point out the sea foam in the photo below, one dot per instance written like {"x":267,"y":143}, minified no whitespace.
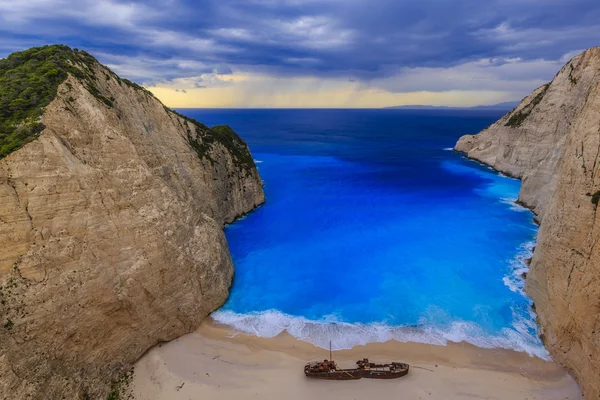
{"x":518,"y":266}
{"x":512,"y":202}
{"x":344,"y":335}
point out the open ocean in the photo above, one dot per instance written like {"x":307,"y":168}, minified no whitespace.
{"x":374,"y":229}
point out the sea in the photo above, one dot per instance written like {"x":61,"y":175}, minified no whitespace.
{"x":375,"y":229}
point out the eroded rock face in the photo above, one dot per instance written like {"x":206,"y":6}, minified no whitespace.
{"x":552,"y":142}
{"x":111,"y":230}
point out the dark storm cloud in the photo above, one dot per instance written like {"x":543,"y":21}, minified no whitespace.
{"x":161,"y":40}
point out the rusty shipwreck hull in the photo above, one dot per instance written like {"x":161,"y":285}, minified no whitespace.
{"x":328,"y":370}
{"x":337,"y":375}
{"x":385,"y":374}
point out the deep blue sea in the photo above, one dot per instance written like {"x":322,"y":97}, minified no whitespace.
{"x":374,"y":229}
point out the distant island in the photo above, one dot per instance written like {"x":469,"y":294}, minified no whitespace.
{"x":509,"y":105}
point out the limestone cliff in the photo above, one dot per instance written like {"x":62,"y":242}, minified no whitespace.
{"x":552,"y":142}
{"x":111,"y":232}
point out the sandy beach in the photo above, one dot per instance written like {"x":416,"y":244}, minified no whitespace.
{"x":216,"y":363}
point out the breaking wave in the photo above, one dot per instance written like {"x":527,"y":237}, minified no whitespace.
{"x":519,"y":266}
{"x":521,"y":337}
{"x":512,"y":202}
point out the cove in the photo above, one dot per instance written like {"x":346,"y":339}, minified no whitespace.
{"x":375,"y":230}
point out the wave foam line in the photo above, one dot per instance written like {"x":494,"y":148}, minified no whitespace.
{"x":518,"y":266}
{"x":344,"y":335}
{"x":512,"y":202}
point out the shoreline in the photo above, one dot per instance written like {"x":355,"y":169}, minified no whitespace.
{"x":217,"y":362}
{"x":344,"y":336}
{"x":513,"y":280}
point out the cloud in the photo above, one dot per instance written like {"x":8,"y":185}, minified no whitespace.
{"x":496,"y":74}
{"x":395,"y":46}
{"x":484,"y":81}
{"x":106,"y":13}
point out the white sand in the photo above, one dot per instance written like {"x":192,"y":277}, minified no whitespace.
{"x":209,"y":364}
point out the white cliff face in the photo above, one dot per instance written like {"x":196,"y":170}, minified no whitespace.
{"x":552,"y":142}
{"x":111,"y":236}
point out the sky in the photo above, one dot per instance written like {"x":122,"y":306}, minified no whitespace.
{"x":316,"y":53}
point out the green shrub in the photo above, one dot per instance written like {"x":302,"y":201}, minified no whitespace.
{"x":202,"y":139}
{"x":29,"y":81}
{"x":596,"y":198}
{"x":120,"y":390}
{"x":8,"y":325}
{"x":519,"y":117}
{"x":571,"y":77}
{"x":236,"y":146}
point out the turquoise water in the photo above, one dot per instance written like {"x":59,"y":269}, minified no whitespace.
{"x":374,"y":229}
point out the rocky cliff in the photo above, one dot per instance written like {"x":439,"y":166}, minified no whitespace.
{"x":112,"y":210}
{"x":552,"y":142}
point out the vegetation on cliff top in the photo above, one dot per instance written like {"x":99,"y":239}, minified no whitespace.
{"x":29,"y":81}
{"x":202,"y":140}
{"x":231,"y":140}
{"x":518,"y":117}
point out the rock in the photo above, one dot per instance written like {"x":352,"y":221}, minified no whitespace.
{"x":552,"y":142}
{"x":111,"y":230}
